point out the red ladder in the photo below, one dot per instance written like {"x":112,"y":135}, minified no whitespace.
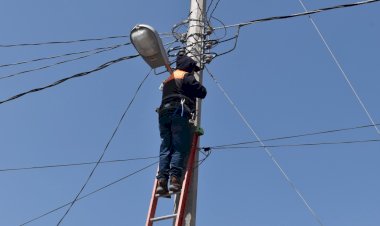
{"x":178,"y":216}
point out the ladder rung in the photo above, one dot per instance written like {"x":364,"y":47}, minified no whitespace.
{"x":164,"y":217}
{"x":168,"y":195}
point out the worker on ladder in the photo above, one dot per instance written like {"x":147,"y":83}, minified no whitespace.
{"x":179,"y":93}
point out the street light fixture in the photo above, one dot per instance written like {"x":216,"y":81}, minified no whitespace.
{"x":149,"y":45}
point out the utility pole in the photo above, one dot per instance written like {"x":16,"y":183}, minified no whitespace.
{"x":195,"y":34}
{"x":147,"y":42}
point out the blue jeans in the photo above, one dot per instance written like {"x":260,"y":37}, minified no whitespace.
{"x":176,"y":133}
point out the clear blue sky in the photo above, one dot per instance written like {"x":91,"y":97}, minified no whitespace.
{"x":281,"y":77}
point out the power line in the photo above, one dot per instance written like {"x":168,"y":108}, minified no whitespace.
{"x":216,"y":147}
{"x":341,"y":69}
{"x":236,"y":38}
{"x":64,"y":42}
{"x":91,"y":193}
{"x":295,"y":145}
{"x":105,"y":149}
{"x":101,"y":67}
{"x":298,"y":14}
{"x":308,"y":13}
{"x":208,"y":7}
{"x":200,"y":162}
{"x":106,"y":186}
{"x":164,"y":35}
{"x":75,"y":164}
{"x":216,"y":6}
{"x":56,"y":56}
{"x":300,"y":195}
{"x":223,"y":25}
{"x":97,"y":51}
{"x":299,"y":135}
{"x":65,"y":61}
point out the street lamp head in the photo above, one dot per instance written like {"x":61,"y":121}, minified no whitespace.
{"x":149,"y":45}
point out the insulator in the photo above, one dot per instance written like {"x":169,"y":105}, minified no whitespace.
{"x":207,"y":58}
{"x":183,"y":38}
{"x":181,"y":52}
{"x":209,"y":30}
{"x":208,"y":45}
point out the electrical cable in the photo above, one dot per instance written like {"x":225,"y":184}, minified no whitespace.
{"x":296,"y":145}
{"x":299,"y":135}
{"x":91,"y":193}
{"x":98,"y":50}
{"x":298,"y":14}
{"x":199,"y":6}
{"x":198,"y":38}
{"x":236,"y":37}
{"x":200,"y":162}
{"x":62,"y":62}
{"x":223,"y":25}
{"x":212,"y":17}
{"x":203,"y":19}
{"x":216,"y":6}
{"x":267,"y":150}
{"x":215,"y":147}
{"x":105,"y":65}
{"x":105,"y":149}
{"x":341,"y":69}
{"x":104,"y":187}
{"x":101,"y":67}
{"x":56,"y":56}
{"x":63,"y":42}
{"x":260,"y":21}
{"x":164,"y":35}
{"x":74,"y":164}
{"x":208,"y":7}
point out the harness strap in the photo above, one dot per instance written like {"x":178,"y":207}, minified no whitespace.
{"x":182,"y":102}
{"x":179,"y":96}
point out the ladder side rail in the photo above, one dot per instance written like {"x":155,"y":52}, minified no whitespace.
{"x":152,"y":206}
{"x":186,"y":182}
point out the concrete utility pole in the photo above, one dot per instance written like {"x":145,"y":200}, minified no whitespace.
{"x":195,"y":48}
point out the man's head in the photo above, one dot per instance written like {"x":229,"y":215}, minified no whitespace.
{"x":187,"y":64}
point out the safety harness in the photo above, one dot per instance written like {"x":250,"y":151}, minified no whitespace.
{"x":177,"y":101}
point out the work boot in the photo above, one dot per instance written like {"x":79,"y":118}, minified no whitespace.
{"x":162,"y":186}
{"x":175,"y":184}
